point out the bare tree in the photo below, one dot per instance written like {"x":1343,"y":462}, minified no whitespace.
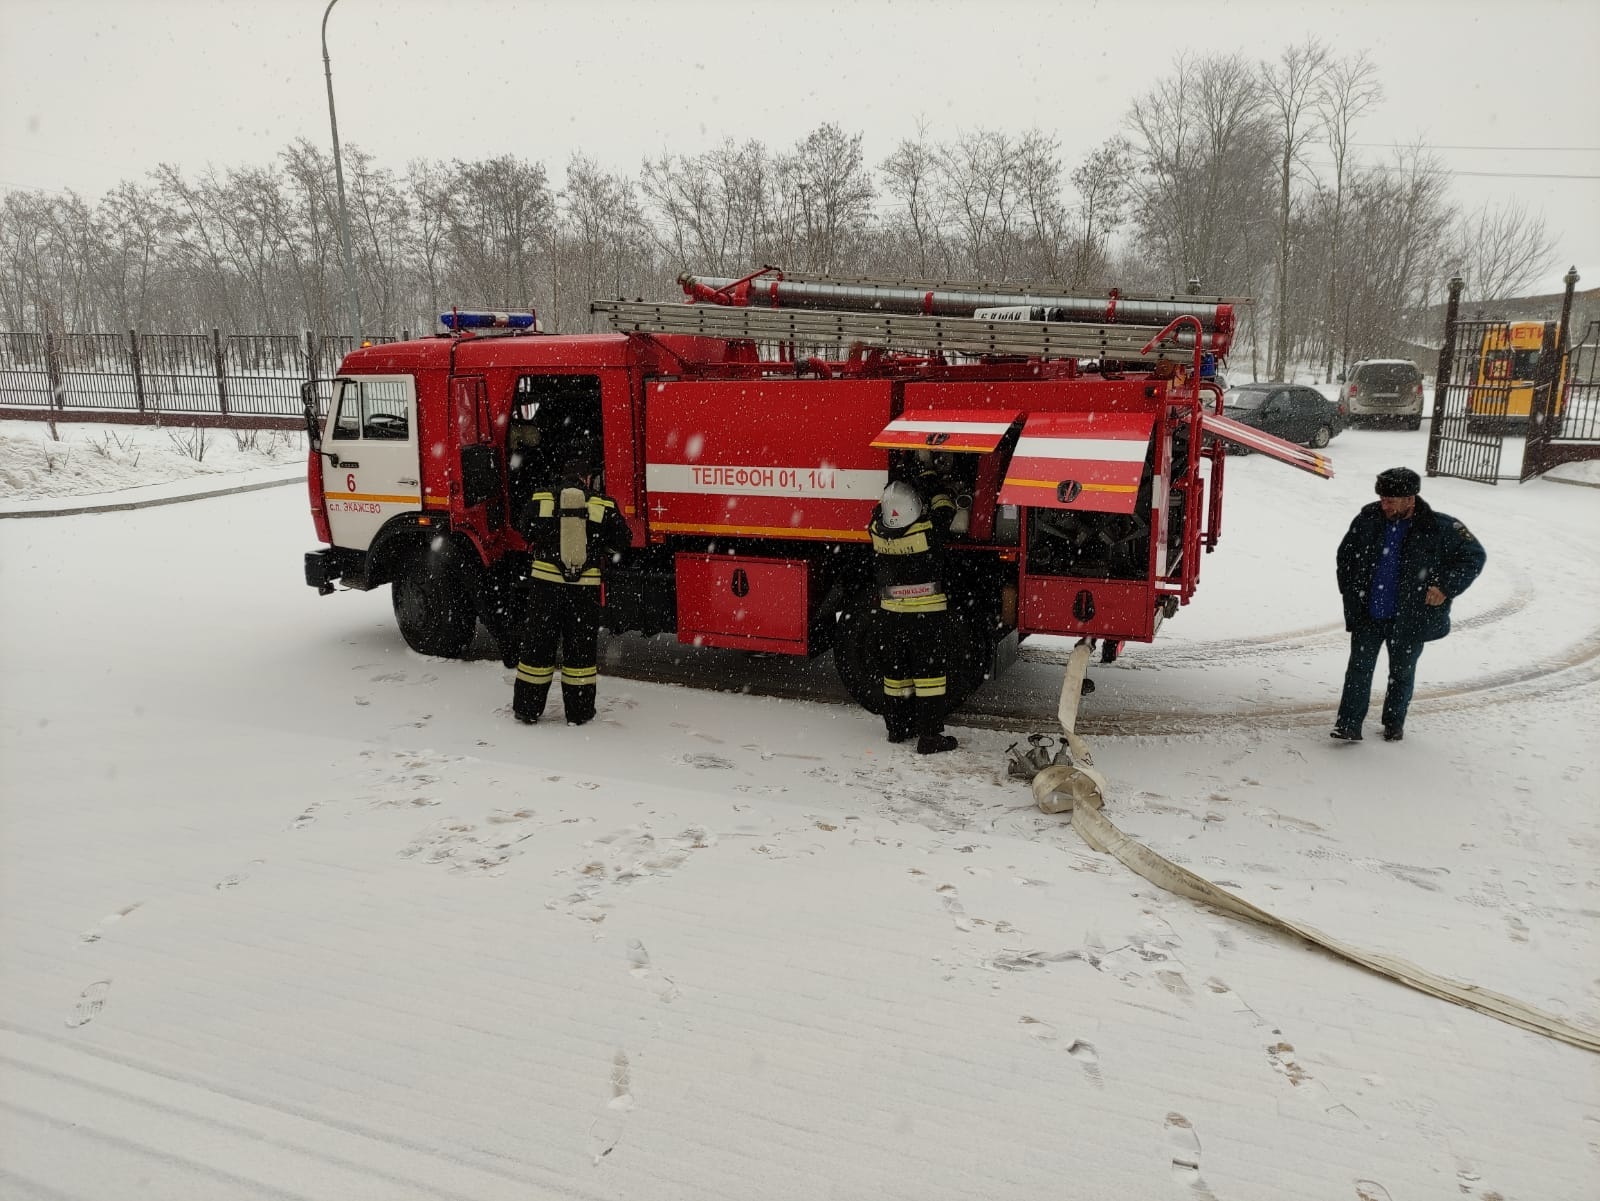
{"x":977,"y":181}
{"x":1502,"y":249}
{"x":606,"y":239}
{"x":1348,"y":90}
{"x":431,"y":186}
{"x":1038,"y":181}
{"x":910,"y":177}
{"x":835,"y":194}
{"x":1202,"y":152}
{"x":715,"y":211}
{"x":1102,"y":182}
{"x":1290,"y":87}
{"x":133,"y":228}
{"x":498,"y":228}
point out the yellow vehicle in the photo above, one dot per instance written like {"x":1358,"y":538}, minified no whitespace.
{"x":1508,"y":362}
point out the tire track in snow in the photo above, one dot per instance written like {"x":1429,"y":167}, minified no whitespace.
{"x":1577,"y":666}
{"x":386,"y":1146}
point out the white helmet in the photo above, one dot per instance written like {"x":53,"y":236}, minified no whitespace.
{"x":900,"y":506}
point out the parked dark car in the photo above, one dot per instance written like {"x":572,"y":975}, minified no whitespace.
{"x":1292,"y":412}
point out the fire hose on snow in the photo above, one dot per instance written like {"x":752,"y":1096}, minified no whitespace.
{"x":1065,"y":780}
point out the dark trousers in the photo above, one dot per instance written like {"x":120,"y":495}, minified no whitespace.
{"x":912,"y":650}
{"x":1365,"y":642}
{"x":562,"y":626}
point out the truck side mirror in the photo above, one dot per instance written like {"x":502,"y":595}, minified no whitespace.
{"x":480,"y":474}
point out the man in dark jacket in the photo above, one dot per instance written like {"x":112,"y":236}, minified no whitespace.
{"x":908,"y":529}
{"x":574,"y":533}
{"x":1400,"y":565}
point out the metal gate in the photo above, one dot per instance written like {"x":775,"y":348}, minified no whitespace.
{"x":1473,"y":408}
{"x":1564,"y":422}
{"x":1465,"y":436}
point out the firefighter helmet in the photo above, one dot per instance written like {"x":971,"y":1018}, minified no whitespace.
{"x":900,"y":506}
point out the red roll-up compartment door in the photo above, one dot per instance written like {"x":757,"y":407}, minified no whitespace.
{"x":1083,"y":461}
{"x":972,"y":430}
{"x":1251,"y":438}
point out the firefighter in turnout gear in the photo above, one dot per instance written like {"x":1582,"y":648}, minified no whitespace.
{"x":573,"y":532}
{"x":908,"y":530}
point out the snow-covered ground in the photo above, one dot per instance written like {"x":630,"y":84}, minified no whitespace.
{"x":90,"y":458}
{"x":291,"y":912}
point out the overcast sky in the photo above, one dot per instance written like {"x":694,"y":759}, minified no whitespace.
{"x":96,"y":91}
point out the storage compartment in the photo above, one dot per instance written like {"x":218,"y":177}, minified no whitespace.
{"x":1102,"y":608}
{"x":744,"y":602}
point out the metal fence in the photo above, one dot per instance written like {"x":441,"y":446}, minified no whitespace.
{"x":185,"y":375}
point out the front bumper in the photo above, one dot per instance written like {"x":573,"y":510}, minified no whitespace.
{"x":332,"y":563}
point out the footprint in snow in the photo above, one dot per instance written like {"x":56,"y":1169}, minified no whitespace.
{"x":90,"y":1002}
{"x":1183,"y":1146}
{"x":95,"y":933}
{"x":951,"y":900}
{"x":1174,"y":983}
{"x":639,"y":968}
{"x":704,"y":760}
{"x":1081,"y":1051}
{"x":1281,"y":1056}
{"x":1086,"y":1055}
{"x":605,"y":1132}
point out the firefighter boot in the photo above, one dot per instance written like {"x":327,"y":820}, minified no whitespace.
{"x":529,"y":693}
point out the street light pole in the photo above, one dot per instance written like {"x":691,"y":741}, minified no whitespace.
{"x":352,"y":297}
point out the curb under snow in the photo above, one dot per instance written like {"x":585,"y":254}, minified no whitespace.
{"x":149,"y":502}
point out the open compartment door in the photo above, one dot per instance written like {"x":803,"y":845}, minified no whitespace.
{"x":1251,"y":438}
{"x":1081,"y":461}
{"x":971,"y":430}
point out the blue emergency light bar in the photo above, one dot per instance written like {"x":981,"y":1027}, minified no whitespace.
{"x":459,"y":320}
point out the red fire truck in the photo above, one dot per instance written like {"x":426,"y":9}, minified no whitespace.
{"x":747,"y":433}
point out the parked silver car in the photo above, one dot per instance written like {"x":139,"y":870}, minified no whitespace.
{"x":1382,"y":392}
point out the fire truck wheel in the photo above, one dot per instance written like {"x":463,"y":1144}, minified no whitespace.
{"x":433,"y":603}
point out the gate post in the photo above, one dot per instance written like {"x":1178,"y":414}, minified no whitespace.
{"x":1545,"y":410}
{"x":136,"y":365}
{"x":1441,"y":377}
{"x":222,"y":371}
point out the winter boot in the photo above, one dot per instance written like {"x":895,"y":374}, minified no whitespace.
{"x":1345,"y":734}
{"x":933,"y":744}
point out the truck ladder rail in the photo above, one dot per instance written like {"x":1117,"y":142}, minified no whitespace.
{"x":895,"y":331}
{"x":1006,"y":287}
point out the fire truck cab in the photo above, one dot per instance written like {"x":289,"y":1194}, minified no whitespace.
{"x":1084,"y":455}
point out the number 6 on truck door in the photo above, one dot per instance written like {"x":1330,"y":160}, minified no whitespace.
{"x":371,"y":443}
